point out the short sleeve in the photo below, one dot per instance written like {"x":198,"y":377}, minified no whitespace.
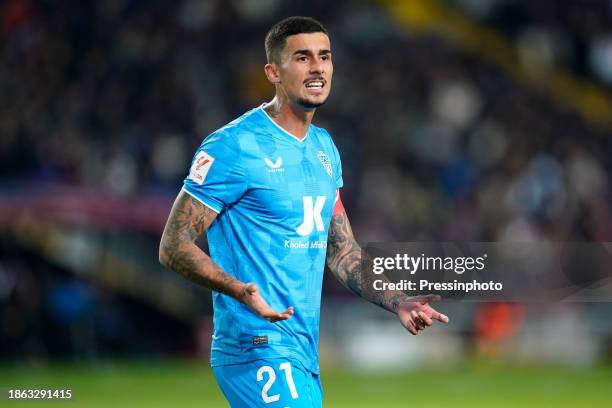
{"x":216,"y":177}
{"x":338,"y":167}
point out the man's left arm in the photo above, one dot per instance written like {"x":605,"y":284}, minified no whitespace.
{"x":345,"y":261}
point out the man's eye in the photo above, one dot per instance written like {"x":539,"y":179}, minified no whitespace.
{"x":302,"y":58}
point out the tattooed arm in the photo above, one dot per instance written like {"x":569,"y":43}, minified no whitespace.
{"x":189,"y":219}
{"x":344,"y":259}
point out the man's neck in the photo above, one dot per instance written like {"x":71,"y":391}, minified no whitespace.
{"x":293,"y":119}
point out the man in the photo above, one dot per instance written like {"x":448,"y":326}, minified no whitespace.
{"x":265,"y":188}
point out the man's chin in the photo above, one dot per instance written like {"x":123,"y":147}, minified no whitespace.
{"x":310,"y":104}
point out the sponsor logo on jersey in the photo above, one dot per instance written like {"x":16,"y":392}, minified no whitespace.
{"x":324,"y":159}
{"x":200,"y":167}
{"x":274,"y":166}
{"x":312,"y":215}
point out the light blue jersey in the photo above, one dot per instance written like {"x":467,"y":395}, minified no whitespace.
{"x":274,"y":194}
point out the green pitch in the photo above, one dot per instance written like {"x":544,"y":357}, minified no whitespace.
{"x":188,"y":384}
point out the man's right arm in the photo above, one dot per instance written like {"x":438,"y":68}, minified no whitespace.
{"x":178,"y":251}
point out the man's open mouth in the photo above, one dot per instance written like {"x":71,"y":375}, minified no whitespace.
{"x":315,"y":84}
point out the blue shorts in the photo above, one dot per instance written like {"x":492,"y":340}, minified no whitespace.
{"x":272,"y":383}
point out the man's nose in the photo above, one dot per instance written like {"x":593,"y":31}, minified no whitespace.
{"x":316,"y":65}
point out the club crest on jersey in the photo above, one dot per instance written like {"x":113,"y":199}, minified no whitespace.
{"x":324,"y":159}
{"x":275,"y":166}
{"x":201,"y":164}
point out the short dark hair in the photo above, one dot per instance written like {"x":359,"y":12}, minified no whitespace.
{"x":276,"y":38}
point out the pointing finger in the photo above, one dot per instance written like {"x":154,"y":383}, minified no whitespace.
{"x":439,"y":316}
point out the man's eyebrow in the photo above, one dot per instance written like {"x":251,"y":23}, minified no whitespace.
{"x":308,"y":52}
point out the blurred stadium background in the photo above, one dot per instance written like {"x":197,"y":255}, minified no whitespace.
{"x":458,"y":120}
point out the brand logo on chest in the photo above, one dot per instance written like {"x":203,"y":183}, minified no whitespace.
{"x":276,"y":166}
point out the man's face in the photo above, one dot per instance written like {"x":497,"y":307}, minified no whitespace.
{"x":305,"y":70}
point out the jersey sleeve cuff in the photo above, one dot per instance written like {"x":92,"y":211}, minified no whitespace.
{"x":207,"y":204}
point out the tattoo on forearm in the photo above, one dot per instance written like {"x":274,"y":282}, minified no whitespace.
{"x":345,"y":261}
{"x":188,"y":220}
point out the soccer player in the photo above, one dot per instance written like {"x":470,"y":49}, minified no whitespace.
{"x":265,"y":189}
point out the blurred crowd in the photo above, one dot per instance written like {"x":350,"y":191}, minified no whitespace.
{"x":435,"y":143}
{"x":115,"y":96}
{"x":575,"y":34}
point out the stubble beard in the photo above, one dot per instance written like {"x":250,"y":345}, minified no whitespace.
{"x":307,"y":104}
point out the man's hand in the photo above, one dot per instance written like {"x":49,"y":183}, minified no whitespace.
{"x":416,"y":314}
{"x":250,"y":296}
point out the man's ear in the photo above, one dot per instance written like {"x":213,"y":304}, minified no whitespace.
{"x":271,"y":71}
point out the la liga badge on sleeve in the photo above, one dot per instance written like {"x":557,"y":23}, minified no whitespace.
{"x":200,"y":167}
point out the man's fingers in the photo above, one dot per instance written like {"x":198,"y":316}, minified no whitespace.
{"x":258,"y":304}
{"x":434,"y":314}
{"x":408,"y":324}
{"x":417,"y":315}
{"x":418,"y":322}
{"x":425,"y":318}
{"x":273,"y":316}
{"x":288,"y":312}
{"x":438,"y":316}
{"x":411,"y":327}
{"x":276,"y":318}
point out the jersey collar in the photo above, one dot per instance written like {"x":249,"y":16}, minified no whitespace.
{"x":297,"y":139}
